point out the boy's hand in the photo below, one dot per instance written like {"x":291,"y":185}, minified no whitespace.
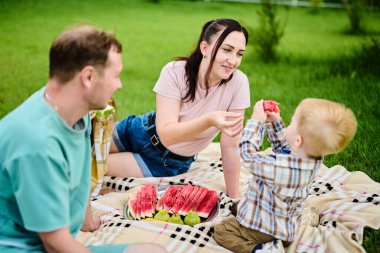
{"x":273,"y":116}
{"x":258,"y":112}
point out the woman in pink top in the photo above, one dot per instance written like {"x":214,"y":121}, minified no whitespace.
{"x":196,"y":97}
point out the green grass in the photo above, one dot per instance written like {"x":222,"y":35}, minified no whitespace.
{"x":314,"y":59}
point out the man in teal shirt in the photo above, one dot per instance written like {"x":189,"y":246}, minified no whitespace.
{"x":46,"y":152}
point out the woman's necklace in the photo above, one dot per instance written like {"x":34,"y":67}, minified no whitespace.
{"x":51,"y":102}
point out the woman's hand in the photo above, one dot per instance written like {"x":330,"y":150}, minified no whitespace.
{"x":229,"y":123}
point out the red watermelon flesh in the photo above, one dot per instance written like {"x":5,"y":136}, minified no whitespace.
{"x":169,"y":194}
{"x":205,"y":207}
{"x":199,"y":200}
{"x":142,"y":204}
{"x":182,"y":198}
{"x":152,"y":191}
{"x":194,"y":200}
{"x":170,"y":201}
{"x":145,"y":201}
{"x":189,"y":198}
{"x":135,"y":206}
{"x":132,"y":209}
{"x":147,"y":207}
{"x":270,"y":106}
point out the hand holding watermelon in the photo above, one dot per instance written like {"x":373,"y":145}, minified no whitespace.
{"x":259,"y":112}
{"x":270,"y":106}
{"x":272,"y":110}
{"x":266,"y":110}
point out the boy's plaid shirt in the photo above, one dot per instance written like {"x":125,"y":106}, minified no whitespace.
{"x":275,"y":198}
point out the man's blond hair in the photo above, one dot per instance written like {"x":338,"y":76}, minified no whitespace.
{"x":325,"y":126}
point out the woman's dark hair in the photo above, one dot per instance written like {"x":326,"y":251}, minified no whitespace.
{"x":193,"y":61}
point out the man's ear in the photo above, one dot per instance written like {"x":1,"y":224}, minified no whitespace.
{"x":299,"y":141}
{"x":87,"y":76}
{"x":203,"y":47}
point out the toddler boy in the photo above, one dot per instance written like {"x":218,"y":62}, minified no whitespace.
{"x":271,"y":207}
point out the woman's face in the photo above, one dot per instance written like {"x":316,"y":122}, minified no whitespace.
{"x":228,"y":57}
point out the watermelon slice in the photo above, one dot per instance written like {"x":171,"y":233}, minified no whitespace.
{"x":189,"y":200}
{"x":153,"y":190}
{"x":147,"y":197}
{"x":168,"y":199}
{"x":195,"y":201}
{"x":143,"y":203}
{"x":270,"y":106}
{"x":135,"y":206}
{"x":205,"y":207}
{"x":182,"y":198}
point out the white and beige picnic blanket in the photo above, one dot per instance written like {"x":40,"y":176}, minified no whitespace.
{"x":340,"y":205}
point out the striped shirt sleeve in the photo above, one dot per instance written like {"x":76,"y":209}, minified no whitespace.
{"x":276,"y":135}
{"x":255,"y":161}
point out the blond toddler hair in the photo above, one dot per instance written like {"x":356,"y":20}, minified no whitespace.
{"x":325,"y":126}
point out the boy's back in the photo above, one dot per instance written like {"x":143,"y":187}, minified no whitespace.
{"x":271,"y":207}
{"x":280,"y":185}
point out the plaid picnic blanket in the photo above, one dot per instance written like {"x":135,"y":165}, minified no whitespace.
{"x":340,"y":205}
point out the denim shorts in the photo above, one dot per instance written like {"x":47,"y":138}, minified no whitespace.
{"x":131,"y":135}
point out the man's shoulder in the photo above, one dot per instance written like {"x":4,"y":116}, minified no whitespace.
{"x":28,"y":128}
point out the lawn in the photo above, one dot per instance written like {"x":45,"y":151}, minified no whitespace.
{"x":314,"y":59}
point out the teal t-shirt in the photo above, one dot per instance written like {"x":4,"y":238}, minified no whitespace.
{"x":44,"y":174}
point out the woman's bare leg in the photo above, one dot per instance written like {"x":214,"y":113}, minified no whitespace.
{"x":122,"y":164}
{"x":113,"y":148}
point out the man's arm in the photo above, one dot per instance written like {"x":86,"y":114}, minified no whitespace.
{"x":61,"y":241}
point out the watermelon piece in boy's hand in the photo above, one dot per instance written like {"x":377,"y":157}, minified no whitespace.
{"x":270,"y":106}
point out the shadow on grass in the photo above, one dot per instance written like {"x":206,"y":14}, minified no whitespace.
{"x":363,"y":61}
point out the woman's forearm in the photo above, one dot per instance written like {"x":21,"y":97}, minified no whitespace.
{"x":231,"y":171}
{"x":171,"y":131}
{"x":231,"y":163}
{"x":175,"y":132}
